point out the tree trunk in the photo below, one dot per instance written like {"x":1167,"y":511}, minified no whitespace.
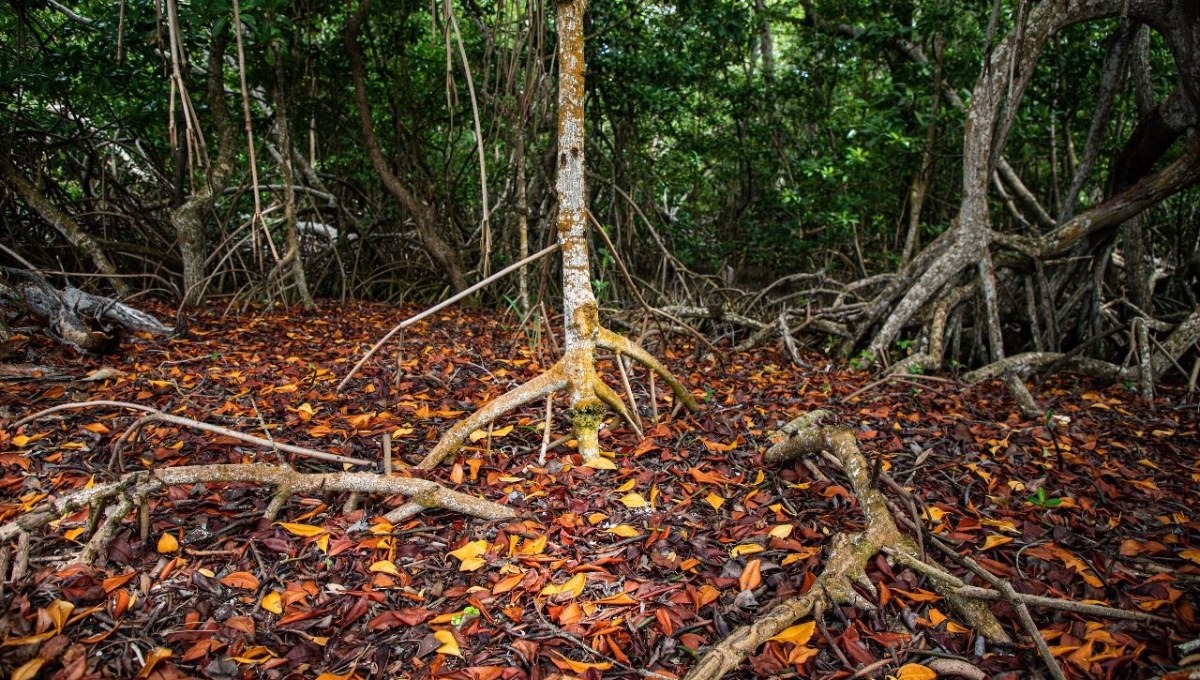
{"x":423,"y":214}
{"x":994,"y":103}
{"x":188,"y":219}
{"x":61,"y":221}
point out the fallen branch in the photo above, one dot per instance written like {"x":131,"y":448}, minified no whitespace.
{"x":158,"y":416}
{"x":120,"y":498}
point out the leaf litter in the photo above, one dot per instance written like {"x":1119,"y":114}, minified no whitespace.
{"x":606,"y":573}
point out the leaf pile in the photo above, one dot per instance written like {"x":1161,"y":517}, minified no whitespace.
{"x":608,"y":572}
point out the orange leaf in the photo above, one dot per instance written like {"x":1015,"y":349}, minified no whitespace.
{"x":508,"y":583}
{"x":577,"y":666}
{"x":798,"y":634}
{"x":751,"y":576}
{"x":241,"y":579}
{"x":28,"y":670}
{"x":152,"y":659}
{"x":915,"y":671}
{"x":167,"y":544}
{"x":112,"y":583}
{"x":305,"y":530}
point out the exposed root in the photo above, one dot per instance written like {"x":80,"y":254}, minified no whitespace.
{"x":849,"y":554}
{"x":619,"y":343}
{"x":120,"y":497}
{"x":577,"y":375}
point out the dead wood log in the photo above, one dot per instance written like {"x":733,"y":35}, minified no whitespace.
{"x":90,"y":323}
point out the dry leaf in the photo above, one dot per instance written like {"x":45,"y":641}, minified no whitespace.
{"x":28,"y":670}
{"x":624,"y":531}
{"x":305,"y":530}
{"x":798,"y":634}
{"x":633,"y":500}
{"x":272,"y":602}
{"x":915,"y":671}
{"x":241,"y":579}
{"x":167,"y":544}
{"x":574,"y":586}
{"x":449,"y":643}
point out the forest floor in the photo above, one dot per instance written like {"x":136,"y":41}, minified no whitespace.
{"x":605,"y":573}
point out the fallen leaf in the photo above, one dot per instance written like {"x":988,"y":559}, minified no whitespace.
{"x":633,"y":500}
{"x":305,"y":530}
{"x":798,"y":635}
{"x":167,"y":544}
{"x":384,"y":567}
{"x":241,"y":579}
{"x":915,"y":671}
{"x":152,"y":659}
{"x":574,"y":586}
{"x":449,"y":643}
{"x":272,"y":602}
{"x":28,"y":670}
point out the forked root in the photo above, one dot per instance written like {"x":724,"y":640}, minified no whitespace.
{"x":575,"y":373}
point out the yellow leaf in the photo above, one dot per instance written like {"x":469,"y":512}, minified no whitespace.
{"x":534,"y":547}
{"x":796,"y":635}
{"x":1001,"y":524}
{"x":72,"y":534}
{"x":28,"y":670}
{"x":207,"y":572}
{"x":781,"y":531}
{"x":21,"y":440}
{"x":624,"y":531}
{"x":449,"y":643}
{"x":96,"y":428}
{"x":469,"y":550}
{"x":715,"y":501}
{"x":472,"y":564}
{"x":305,"y":530}
{"x":323,"y":543}
{"x":746,"y":549}
{"x":59,"y":611}
{"x":935,"y":514}
{"x":255,"y":655}
{"x":157,"y":654}
{"x":401,"y":432}
{"x":1191,"y":554}
{"x":496,"y":433}
{"x":384,"y":567}
{"x":633,"y":500}
{"x":272,"y":602}
{"x":915,"y":671}
{"x":995,"y":540}
{"x":627,"y":486}
{"x":573,"y":586}
{"x":580,"y":667}
{"x":600,"y":463}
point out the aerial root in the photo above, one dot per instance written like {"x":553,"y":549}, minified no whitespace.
{"x":849,"y":554}
{"x":556,"y":378}
{"x":118,"y":499}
